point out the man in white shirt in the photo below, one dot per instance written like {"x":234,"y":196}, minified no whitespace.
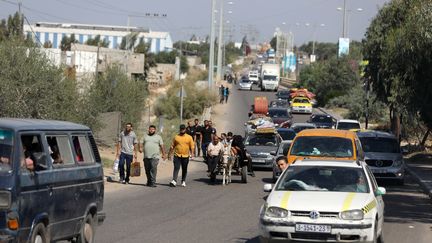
{"x":214,"y":151}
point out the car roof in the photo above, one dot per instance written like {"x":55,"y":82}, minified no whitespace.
{"x":326,"y":115}
{"x":37,"y":124}
{"x":326,"y":133}
{"x":375,"y":134}
{"x":348,"y":120}
{"x":328,"y":163}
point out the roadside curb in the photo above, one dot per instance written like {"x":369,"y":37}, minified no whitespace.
{"x":423,"y":183}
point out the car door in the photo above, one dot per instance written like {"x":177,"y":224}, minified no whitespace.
{"x":380,"y":201}
{"x":36,"y":192}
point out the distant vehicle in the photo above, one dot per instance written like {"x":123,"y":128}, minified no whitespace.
{"x":51,"y":181}
{"x":245,"y":84}
{"x":284,"y":94}
{"x":323,"y":201}
{"x":383,"y":155}
{"x":261,"y":146}
{"x":322,"y":121}
{"x":345,"y":124}
{"x":253,"y":76}
{"x":279,"y":103}
{"x":269,"y":78}
{"x":301,"y":105}
{"x":279,"y":115}
{"x":298,"y":127}
{"x":260,"y":106}
{"x":286,"y":133}
{"x":326,"y":143}
{"x":281,"y":151}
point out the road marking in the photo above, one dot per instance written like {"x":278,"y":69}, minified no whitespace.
{"x":285,"y":198}
{"x":348,"y":200}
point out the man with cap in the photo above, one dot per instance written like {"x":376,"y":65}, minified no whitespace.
{"x":183,"y":147}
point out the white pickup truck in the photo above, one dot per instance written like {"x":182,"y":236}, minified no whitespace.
{"x":269,"y":78}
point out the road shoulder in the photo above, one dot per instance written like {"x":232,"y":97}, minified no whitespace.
{"x":419,"y":165}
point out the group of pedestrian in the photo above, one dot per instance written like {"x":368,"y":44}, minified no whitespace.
{"x":231,"y":78}
{"x":223,"y":94}
{"x":187,"y":144}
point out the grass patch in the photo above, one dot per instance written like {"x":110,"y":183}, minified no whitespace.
{"x":107,"y":162}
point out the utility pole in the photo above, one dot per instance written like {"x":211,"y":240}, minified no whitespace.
{"x":220,"y":43}
{"x":181,"y":102}
{"x":97,"y":61}
{"x":344,"y":20}
{"x":212,"y":39}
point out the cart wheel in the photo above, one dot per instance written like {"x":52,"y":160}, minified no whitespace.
{"x":244,"y":174}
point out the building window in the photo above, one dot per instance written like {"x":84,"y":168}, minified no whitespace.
{"x":38,"y":37}
{"x":158,"y":45}
{"x":115,"y":39}
{"x":81,"y":39}
{"x":55,"y":44}
{"x":46,"y":38}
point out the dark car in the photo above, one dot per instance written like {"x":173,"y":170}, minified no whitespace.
{"x":283,"y":94}
{"x":322,"y":120}
{"x":261,"y":146}
{"x":279,"y":115}
{"x":298,"y":127}
{"x":286,"y":133}
{"x":279,"y":103}
{"x":51,"y":181}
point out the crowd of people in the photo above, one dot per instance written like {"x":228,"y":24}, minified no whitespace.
{"x":191,"y":141}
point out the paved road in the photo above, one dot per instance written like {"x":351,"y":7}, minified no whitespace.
{"x":213,"y":213}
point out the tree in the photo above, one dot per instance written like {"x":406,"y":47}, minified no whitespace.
{"x":12,"y":27}
{"x":398,"y":46}
{"x":273,"y":42}
{"x":97,"y":41}
{"x":129,"y":41}
{"x":66,"y":42}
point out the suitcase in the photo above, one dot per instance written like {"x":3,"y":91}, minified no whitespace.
{"x":135,"y":169}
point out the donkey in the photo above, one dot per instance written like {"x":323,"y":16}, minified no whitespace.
{"x":227,"y":161}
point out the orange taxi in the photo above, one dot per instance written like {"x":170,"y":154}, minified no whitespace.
{"x":325,"y":143}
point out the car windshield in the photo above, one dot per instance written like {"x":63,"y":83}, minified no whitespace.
{"x":245,"y":81}
{"x":279,"y":103}
{"x":300,"y":101}
{"x":322,"y":147}
{"x":270,"y":77}
{"x":348,"y":125}
{"x":325,"y":119}
{"x":253,"y":76}
{"x":380,"y":145}
{"x":284,"y":93}
{"x":6,"y":144}
{"x":287,"y":134}
{"x":323,"y":178}
{"x":261,"y":140}
{"x":278,"y":113}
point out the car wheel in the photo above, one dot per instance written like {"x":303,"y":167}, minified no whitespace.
{"x":244,"y":174}
{"x":87,"y":231}
{"x":250,"y":88}
{"x":39,"y":234}
{"x":375,"y":236}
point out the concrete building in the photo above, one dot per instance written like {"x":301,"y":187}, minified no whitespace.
{"x":44,"y":32}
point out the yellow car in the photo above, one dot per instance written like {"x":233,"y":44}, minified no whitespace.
{"x":301,"y":105}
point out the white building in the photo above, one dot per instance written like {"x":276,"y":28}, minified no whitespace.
{"x":44,"y":32}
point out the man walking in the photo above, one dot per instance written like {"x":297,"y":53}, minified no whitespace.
{"x":221,"y":93}
{"x":226,"y":94}
{"x":152,"y":146}
{"x":207,"y":133}
{"x":126,"y":151}
{"x":183,"y":148}
{"x":190,"y":130}
{"x":198,"y":129}
{"x":214,"y":152}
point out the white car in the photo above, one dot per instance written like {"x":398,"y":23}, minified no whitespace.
{"x":245,"y":84}
{"x":346,"y":124}
{"x":323,"y":201}
{"x":253,"y":77}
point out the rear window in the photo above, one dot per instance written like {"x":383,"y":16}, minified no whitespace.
{"x":6,"y":145}
{"x":83,"y":151}
{"x":322,"y":147}
{"x":245,"y":81}
{"x":348,"y":125}
{"x":380,"y":145}
{"x":287,"y":135}
{"x":304,"y":101}
{"x":278,"y":113}
{"x":325,"y":119}
{"x":261,"y":140}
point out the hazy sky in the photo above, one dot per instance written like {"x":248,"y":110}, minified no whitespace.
{"x":187,"y":17}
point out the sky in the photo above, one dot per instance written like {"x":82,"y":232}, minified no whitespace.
{"x":258,"y":19}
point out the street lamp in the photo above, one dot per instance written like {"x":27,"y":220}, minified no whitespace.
{"x":221,"y":40}
{"x":345,"y":21}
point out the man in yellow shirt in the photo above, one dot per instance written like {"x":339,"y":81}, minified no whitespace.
{"x":183,"y":147}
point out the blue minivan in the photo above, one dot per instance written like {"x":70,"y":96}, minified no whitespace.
{"x":51,"y":181}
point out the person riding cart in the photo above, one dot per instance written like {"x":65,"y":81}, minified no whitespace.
{"x":215,"y":152}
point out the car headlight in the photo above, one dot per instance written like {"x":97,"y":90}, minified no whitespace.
{"x":5,"y":199}
{"x":352,"y":215}
{"x":276,"y":212}
{"x":397,"y":163}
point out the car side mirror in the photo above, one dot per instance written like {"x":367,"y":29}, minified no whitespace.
{"x":273,"y":153}
{"x":268,"y":187}
{"x":404,"y":151}
{"x":380,"y":191}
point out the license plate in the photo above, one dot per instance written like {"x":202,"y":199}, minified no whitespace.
{"x":379,"y":171}
{"x":313,"y":228}
{"x":259,"y":160}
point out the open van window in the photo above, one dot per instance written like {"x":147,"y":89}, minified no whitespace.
{"x":33,"y":152}
{"x":83,"y":152}
{"x":61,"y":153}
{"x":6,"y":144}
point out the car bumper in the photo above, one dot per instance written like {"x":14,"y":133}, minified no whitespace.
{"x":245,"y":87}
{"x":270,"y":86}
{"x":397,"y":173}
{"x":301,"y":110}
{"x":361,"y":231}
{"x":262,"y":163}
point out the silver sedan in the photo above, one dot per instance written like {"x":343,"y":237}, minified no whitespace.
{"x":245,"y":84}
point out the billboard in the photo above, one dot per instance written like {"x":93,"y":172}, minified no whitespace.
{"x":343,"y":46}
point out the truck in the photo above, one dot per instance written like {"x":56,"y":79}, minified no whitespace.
{"x":269,"y":78}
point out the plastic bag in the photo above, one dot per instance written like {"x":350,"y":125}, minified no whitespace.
{"x":116,"y":165}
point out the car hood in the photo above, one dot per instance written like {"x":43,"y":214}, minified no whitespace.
{"x":301,"y":104}
{"x":321,"y":201}
{"x":254,"y":150}
{"x":383,"y":156}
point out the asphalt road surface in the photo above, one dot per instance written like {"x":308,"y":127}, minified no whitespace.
{"x":216,"y":213}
